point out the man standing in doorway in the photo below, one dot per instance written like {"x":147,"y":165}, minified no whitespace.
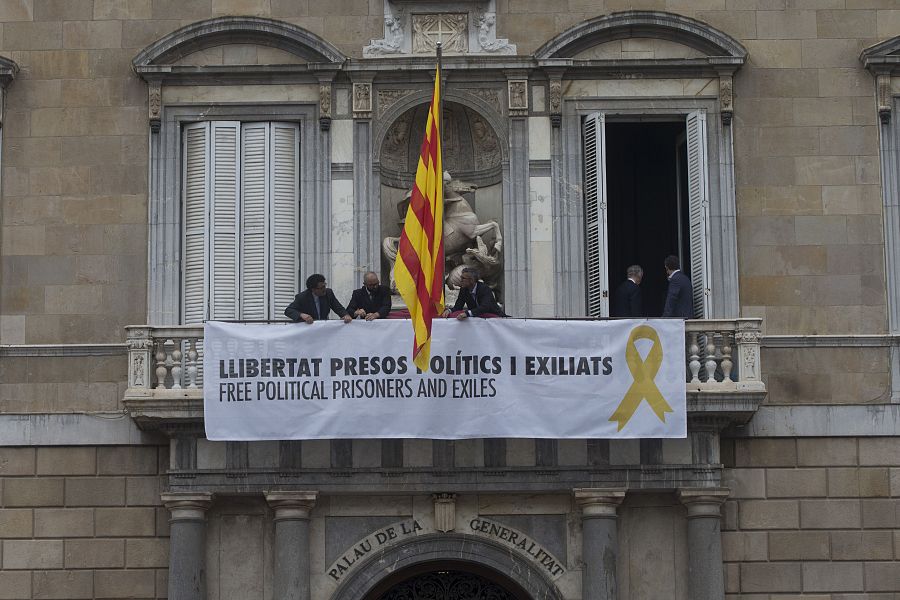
{"x":315,"y":302}
{"x":680,"y":297}
{"x":371,"y":301}
{"x":627,"y":297}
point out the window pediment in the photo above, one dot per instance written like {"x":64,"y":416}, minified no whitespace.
{"x":228,"y":31}
{"x":660,"y":32}
{"x":883,"y":58}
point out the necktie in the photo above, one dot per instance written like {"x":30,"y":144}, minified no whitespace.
{"x":318,"y":308}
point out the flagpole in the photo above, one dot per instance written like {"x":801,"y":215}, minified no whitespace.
{"x":440,"y":73}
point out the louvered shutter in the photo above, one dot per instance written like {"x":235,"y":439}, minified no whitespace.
{"x":225,"y":188}
{"x":195,"y":180}
{"x":698,"y":202}
{"x":285,"y":185}
{"x":595,"y":214}
{"x":254,"y":221}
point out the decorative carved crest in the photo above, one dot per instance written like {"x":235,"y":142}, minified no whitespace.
{"x":451,"y":29}
{"x":387,"y":98}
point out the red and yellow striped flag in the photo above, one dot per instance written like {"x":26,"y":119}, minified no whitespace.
{"x":419,"y":270}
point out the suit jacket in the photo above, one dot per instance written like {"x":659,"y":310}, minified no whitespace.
{"x":380,"y":302}
{"x":305,"y":303}
{"x":627,"y":300}
{"x":680,"y":297}
{"x":484,"y":301}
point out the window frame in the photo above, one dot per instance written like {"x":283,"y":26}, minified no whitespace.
{"x":165,"y":248}
{"x":569,"y":213}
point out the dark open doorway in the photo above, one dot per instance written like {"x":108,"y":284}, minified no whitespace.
{"x":447,"y":581}
{"x":647,"y":207}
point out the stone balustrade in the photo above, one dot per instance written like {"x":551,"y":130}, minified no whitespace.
{"x":722,"y":355}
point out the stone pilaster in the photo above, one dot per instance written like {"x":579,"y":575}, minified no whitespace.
{"x":705,"y":576}
{"x":600,"y":541}
{"x":187,"y":543}
{"x":291,"y":543}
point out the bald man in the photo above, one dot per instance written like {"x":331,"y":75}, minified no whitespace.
{"x":371,"y":301}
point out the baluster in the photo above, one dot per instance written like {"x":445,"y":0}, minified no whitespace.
{"x":176,"y":365}
{"x":192,"y":363}
{"x":710,"y":357}
{"x":694,"y":363}
{"x":161,"y":370}
{"x":726,"y":357}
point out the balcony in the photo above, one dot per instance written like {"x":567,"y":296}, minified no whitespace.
{"x":723,"y":373}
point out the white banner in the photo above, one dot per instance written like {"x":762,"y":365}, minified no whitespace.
{"x":488,"y":378}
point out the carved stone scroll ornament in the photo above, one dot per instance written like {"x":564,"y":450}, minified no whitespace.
{"x":726,"y":98}
{"x":154,"y":105}
{"x":883,"y":90}
{"x":325,"y":106}
{"x":556,"y":102}
{"x":487,"y":36}
{"x":392,"y":43}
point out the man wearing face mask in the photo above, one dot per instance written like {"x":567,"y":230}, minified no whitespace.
{"x":315,"y":303}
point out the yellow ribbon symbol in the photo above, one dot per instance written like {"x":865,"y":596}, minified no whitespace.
{"x":643,"y":371}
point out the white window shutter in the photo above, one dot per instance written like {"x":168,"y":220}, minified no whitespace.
{"x":594,"y":139}
{"x":285,"y":186}
{"x":698,"y":201}
{"x":254,"y":221}
{"x":195,"y":178}
{"x":225,"y":188}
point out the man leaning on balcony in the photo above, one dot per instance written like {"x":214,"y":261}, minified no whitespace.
{"x":315,"y":303}
{"x":371,"y":301}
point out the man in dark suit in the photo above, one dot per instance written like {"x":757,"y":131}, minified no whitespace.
{"x":475,"y":298}
{"x":627,"y":297}
{"x":371,"y":301}
{"x":315,"y":302}
{"x":680,"y":297}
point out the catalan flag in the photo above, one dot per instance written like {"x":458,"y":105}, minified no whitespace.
{"x":419,"y":270}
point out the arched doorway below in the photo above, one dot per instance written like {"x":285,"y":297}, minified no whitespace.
{"x":447,"y":581}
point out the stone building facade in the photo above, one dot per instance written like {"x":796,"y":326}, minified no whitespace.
{"x":778,"y":123}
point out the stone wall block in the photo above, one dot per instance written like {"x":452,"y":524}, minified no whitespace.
{"x":125,"y":522}
{"x":94,"y":554}
{"x":826,"y":451}
{"x":17,"y":461}
{"x":769,"y":514}
{"x":15,"y":585}
{"x":80,"y":460}
{"x":95,"y":491}
{"x":881,"y":513}
{"x":861,"y":545}
{"x":143,"y":491}
{"x":68,"y":585}
{"x":63,"y":10}
{"x":745,"y":483}
{"x":33,"y":492}
{"x":32,"y":554}
{"x":879,"y":451}
{"x":92,"y":34}
{"x":744,"y":546}
{"x":127,"y":460}
{"x":799,"y":545}
{"x":795,"y":483}
{"x":830,"y":514}
{"x":882,"y":577}
{"x":832,"y":577}
{"x":765,"y":452}
{"x":63,"y":522}
{"x":32,"y":36}
{"x":147,"y":553}
{"x":129,"y":584}
{"x":895,"y":482}
{"x":16,"y":523}
{"x":771,"y":577}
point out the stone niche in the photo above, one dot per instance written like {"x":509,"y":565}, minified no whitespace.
{"x":472,"y":156}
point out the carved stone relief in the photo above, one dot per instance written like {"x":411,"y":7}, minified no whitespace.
{"x":883,"y":90}
{"x":487,"y":146}
{"x":395,"y":154}
{"x":487,"y":35}
{"x":362,"y":99}
{"x":490,"y":96}
{"x":726,"y":98}
{"x":452,"y":29}
{"x":387,"y":98}
{"x":154,"y":105}
{"x":392,"y":43}
{"x":518,"y":96}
